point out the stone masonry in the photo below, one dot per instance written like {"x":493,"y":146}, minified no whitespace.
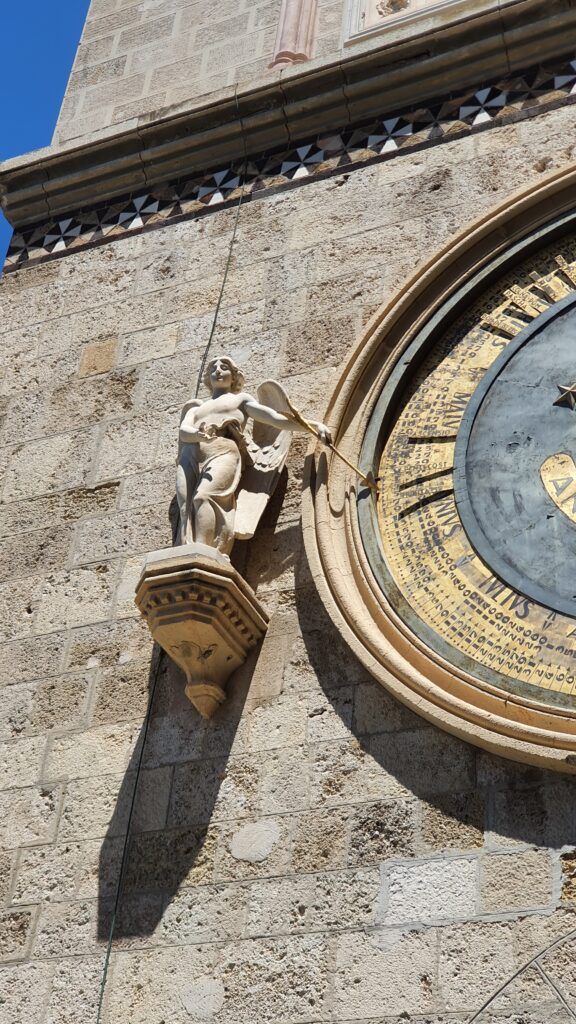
{"x":315,"y":854}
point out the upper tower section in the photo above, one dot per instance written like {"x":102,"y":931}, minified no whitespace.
{"x":140,"y":60}
{"x":166,"y":89}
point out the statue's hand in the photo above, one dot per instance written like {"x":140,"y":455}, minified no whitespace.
{"x":324,"y":433}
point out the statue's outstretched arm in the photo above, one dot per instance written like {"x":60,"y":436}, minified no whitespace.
{"x":263,"y":414}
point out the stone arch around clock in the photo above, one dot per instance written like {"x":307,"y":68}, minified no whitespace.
{"x":340,"y":519}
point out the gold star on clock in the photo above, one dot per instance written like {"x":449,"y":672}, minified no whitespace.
{"x":567,"y":395}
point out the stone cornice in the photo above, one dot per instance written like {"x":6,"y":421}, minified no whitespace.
{"x":301,"y":101}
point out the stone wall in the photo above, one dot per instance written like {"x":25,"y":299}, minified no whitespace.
{"x":315,"y":853}
{"x":138,"y":56}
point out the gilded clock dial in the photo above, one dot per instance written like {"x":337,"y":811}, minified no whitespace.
{"x":477,"y":513}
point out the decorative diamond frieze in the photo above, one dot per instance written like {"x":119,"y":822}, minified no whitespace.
{"x":550,"y":84}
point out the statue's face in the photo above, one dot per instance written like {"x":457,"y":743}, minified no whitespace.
{"x":221,"y":376}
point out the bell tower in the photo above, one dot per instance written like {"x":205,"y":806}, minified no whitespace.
{"x":362,"y":204}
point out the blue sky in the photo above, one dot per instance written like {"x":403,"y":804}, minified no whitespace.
{"x":39,"y":41}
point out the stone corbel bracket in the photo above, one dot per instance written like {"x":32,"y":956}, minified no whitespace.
{"x":203,"y":614}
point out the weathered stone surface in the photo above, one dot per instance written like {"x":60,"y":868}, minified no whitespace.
{"x":453,"y":821}
{"x":24,"y":989}
{"x":385,"y":972}
{"x":80,"y":755}
{"x":429,"y":892}
{"x":65,"y":507}
{"x":255,"y":842}
{"x":100,"y":806}
{"x":475,"y":959}
{"x":55,"y":463}
{"x":329,"y":902}
{"x":28,"y":816}
{"x":75,"y":991}
{"x":21,"y":762}
{"x":379,"y":831}
{"x":522,"y":880}
{"x":14,"y":928}
{"x":68,"y":599}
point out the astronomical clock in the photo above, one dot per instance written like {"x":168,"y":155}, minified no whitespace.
{"x":461,"y":594}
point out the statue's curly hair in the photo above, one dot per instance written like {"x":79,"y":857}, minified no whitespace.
{"x":237,"y":375}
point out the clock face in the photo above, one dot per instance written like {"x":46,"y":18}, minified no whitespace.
{"x":477,"y":504}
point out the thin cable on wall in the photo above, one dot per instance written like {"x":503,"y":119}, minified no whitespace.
{"x":158,"y":652}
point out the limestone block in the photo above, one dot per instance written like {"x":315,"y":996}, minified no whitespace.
{"x":21,"y":555}
{"x":126,"y":532}
{"x":314,"y":903}
{"x":215,"y":790}
{"x":122,"y":693}
{"x":475,"y":959}
{"x":170,"y":860}
{"x":568,"y":864}
{"x":533,"y":933}
{"x":206,"y":913}
{"x":320,"y":840}
{"x":108,"y":644}
{"x":428,"y":892}
{"x":68,"y":599}
{"x":97,"y":807}
{"x":130,"y":572}
{"x":75,"y":991}
{"x":170,"y":739}
{"x":285,"y":781}
{"x":330,"y":720}
{"x":559,"y":965}
{"x":383,"y":830}
{"x":47,"y":873}
{"x":28,"y":816}
{"x":385,"y":972}
{"x":48,"y":464}
{"x":148,"y":488}
{"x":33,"y":658}
{"x":426,"y":761}
{"x":342,"y":770}
{"x":153,"y":343}
{"x":376,"y":711}
{"x":516,"y":880}
{"x":520,"y":817}
{"x":128,"y":446}
{"x":47,"y":511}
{"x":18,"y":603}
{"x":66,"y":928}
{"x":15,"y":927}
{"x":453,"y":821}
{"x":98,"y":356}
{"x":264,"y":980}
{"x":21,"y":762}
{"x":203,"y":614}
{"x":24,"y":989}
{"x":277,"y":723}
{"x":104,"y":749}
{"x":5,"y":876}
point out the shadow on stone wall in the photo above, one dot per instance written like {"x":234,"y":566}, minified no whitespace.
{"x":178,"y":777}
{"x":462,"y":792}
{"x":176,"y":791}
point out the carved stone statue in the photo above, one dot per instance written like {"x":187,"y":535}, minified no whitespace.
{"x":225,"y":474}
{"x":197,"y":606}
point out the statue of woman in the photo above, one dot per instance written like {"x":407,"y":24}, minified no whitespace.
{"x":225,"y":478}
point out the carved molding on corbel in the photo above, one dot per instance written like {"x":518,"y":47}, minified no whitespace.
{"x":296,"y":32}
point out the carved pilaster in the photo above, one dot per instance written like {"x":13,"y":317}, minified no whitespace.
{"x":296,"y":31}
